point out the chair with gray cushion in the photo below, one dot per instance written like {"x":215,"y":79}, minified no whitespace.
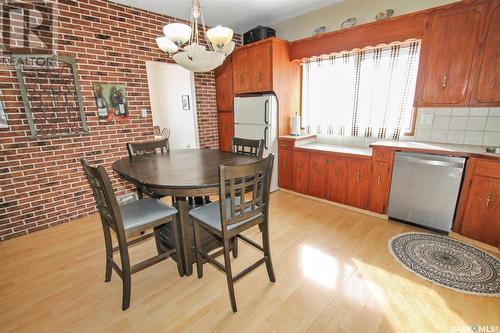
{"x":243,"y":204}
{"x":126,"y":221}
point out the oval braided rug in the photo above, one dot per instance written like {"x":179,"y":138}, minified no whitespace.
{"x":448,"y":262}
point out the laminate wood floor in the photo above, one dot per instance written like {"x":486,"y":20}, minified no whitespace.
{"x":334,"y":274}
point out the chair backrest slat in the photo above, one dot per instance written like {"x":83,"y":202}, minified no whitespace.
{"x":235,"y":184}
{"x":148,"y":147}
{"x":104,"y":196}
{"x":248,"y":147}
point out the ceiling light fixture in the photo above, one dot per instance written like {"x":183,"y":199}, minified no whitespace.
{"x":194,"y":56}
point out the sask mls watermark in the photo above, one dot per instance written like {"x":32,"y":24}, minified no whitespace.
{"x":28,"y":27}
{"x":475,"y":329}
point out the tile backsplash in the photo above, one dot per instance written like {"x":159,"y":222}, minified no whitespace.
{"x":470,"y":126}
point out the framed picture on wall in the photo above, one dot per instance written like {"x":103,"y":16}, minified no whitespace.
{"x":111,"y":102}
{"x":185,"y":102}
{"x":3,"y":116}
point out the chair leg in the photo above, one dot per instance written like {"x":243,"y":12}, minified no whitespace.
{"x":197,"y":248}
{"x":177,"y":244}
{"x":235,"y":247}
{"x":267,"y":250}
{"x":127,"y":283}
{"x":140,"y":194}
{"x":108,"y":243}
{"x":229,"y":275}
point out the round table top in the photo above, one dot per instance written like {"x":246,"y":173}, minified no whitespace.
{"x":179,"y":169}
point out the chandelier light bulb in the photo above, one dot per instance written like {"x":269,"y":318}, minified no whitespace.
{"x":220,"y":36}
{"x":166,"y":45}
{"x":178,"y":33}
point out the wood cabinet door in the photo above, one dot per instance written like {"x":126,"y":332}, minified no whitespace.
{"x":488,"y":85}
{"x":450,"y":43}
{"x":336,"y":179}
{"x":226,"y":131}
{"x":301,"y":171}
{"x":482,"y":213}
{"x":224,"y":86}
{"x":318,"y":175}
{"x":380,"y":185}
{"x":358,"y":183}
{"x":252,"y":69}
{"x":285,"y":168}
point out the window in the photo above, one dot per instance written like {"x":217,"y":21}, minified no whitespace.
{"x":367,"y":93}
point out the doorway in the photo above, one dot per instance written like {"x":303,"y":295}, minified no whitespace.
{"x":173,"y":103}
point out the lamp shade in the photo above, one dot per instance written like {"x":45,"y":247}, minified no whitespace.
{"x":166,"y":45}
{"x":219,"y":36}
{"x":178,"y":33}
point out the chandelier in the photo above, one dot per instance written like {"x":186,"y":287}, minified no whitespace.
{"x":194,"y":56}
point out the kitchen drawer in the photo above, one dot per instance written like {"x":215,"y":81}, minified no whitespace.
{"x":487,"y":168}
{"x":285,"y":144}
{"x":383,"y":155}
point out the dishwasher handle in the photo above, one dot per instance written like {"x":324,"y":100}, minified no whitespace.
{"x":426,"y":161}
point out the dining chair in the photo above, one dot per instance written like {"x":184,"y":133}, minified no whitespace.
{"x":135,"y":217}
{"x":153,"y":147}
{"x":236,"y":211}
{"x":144,"y":148}
{"x":248,"y":147}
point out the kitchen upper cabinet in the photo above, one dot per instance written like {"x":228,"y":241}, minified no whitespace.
{"x":224,"y":86}
{"x":358,"y":183}
{"x":226,"y":131}
{"x":482,"y":212}
{"x":449,"y":47}
{"x":252,"y":68}
{"x":318,"y":172}
{"x":337,"y":179}
{"x":301,"y":172}
{"x":380,"y":186}
{"x":487,"y":91}
{"x":285,"y":168}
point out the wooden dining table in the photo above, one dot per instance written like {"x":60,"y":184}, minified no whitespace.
{"x":181,"y":174}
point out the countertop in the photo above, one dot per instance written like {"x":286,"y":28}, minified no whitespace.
{"x":459,"y":150}
{"x":363,"y":151}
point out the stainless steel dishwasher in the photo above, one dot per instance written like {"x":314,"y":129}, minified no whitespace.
{"x":424,"y":189}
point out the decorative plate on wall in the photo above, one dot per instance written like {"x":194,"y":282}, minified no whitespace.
{"x":384,"y":14}
{"x":350,"y":22}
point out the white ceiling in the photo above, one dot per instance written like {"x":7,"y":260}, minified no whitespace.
{"x":239,"y":15}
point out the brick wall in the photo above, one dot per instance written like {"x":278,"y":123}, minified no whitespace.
{"x":41,"y":181}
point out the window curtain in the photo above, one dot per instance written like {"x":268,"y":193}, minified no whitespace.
{"x":367,"y":93}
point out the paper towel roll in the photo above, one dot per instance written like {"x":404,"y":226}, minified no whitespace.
{"x":295,"y":125}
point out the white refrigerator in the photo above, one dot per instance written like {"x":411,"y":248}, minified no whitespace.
{"x":256,"y":117}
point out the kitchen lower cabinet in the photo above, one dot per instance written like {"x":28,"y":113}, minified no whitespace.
{"x":358,"y":183}
{"x":337,"y":179}
{"x":380,"y":187}
{"x":301,"y":171}
{"x":285,"y":168}
{"x":318,"y":175}
{"x":482,"y":212}
{"x":478,"y":215}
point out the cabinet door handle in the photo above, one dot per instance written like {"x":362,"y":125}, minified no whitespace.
{"x":357,"y":176}
{"x":489,"y":199}
{"x":445,"y":81}
{"x":337,"y":172}
{"x":258,"y":76}
{"x":378,"y":180}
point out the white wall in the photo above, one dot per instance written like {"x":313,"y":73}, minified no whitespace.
{"x":332,"y":17}
{"x":167,"y":83}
